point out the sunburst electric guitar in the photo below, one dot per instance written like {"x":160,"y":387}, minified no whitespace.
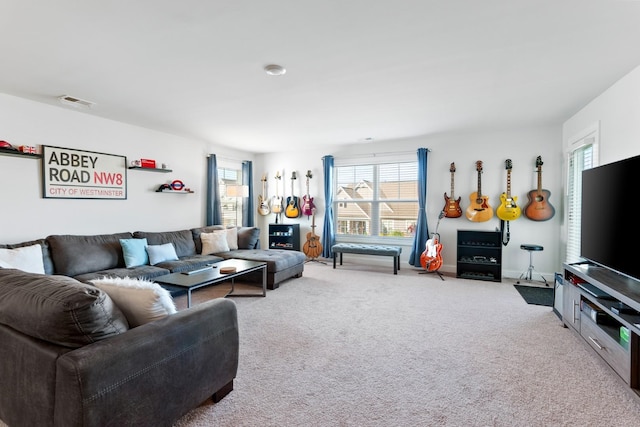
{"x":451,"y":204}
{"x":479,"y":209}
{"x":508,"y":209}
{"x":539,"y":208}
{"x":263,"y":204}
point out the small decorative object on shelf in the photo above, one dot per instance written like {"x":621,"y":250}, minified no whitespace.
{"x":143,"y":164}
{"x":176,"y":187}
{"x":30,"y":149}
{"x":23,"y":151}
{"x":148,"y":163}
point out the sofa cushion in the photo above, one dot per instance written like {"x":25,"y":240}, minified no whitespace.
{"x":161,"y":253}
{"x":27,"y":258}
{"x":232,"y":237}
{"x":196,"y":232}
{"x":182,"y":240}
{"x":141,"y":301}
{"x":57,"y":309}
{"x":46,"y":256}
{"x":134,"y":252}
{"x":214,"y":242}
{"x":248,"y":238}
{"x":141,"y":272}
{"x":73,"y":255}
{"x":189,"y":263}
{"x":276,"y":259}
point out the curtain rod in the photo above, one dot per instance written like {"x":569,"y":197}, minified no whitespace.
{"x":388,"y":153}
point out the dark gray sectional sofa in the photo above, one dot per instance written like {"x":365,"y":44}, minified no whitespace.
{"x":69,"y":358}
{"x":94,"y":256}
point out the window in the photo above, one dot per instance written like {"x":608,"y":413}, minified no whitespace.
{"x":376,"y":200}
{"x":581,"y":158}
{"x":231,"y":206}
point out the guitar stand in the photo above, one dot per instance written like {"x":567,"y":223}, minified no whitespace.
{"x":435,"y":272}
{"x":315,"y":260}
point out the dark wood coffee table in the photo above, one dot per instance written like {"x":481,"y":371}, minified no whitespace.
{"x":212,"y":276}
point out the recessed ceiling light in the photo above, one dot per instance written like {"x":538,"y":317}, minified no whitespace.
{"x":274,"y":70}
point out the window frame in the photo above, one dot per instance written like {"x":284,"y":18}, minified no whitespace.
{"x":376,"y":160}
{"x":582,"y":154}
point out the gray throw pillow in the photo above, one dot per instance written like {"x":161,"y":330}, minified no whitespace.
{"x":248,"y":237}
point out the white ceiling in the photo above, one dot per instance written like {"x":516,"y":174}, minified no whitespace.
{"x":356,"y":69}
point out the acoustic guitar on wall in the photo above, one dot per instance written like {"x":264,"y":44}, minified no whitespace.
{"x":451,"y":204}
{"x":263,"y":204}
{"x":292,"y":210}
{"x":479,"y":209}
{"x":539,"y":208}
{"x":508,"y":209}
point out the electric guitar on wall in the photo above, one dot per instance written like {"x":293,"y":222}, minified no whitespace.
{"x":539,"y":208}
{"x":451,"y":204}
{"x":479,"y":209}
{"x":276,"y":201}
{"x":292,"y":210}
{"x":508,"y":209}
{"x":307,"y":201}
{"x":263,"y":205}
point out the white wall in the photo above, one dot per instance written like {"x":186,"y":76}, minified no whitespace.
{"x":25,"y":214}
{"x":616,"y":112}
{"x":522,"y":146}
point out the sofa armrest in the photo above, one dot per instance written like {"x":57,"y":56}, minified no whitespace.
{"x":152,"y":374}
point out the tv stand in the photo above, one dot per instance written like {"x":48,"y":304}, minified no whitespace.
{"x":603,"y":307}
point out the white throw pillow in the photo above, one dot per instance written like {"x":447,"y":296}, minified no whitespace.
{"x":213,"y":243}
{"x":141,"y":301}
{"x":232,"y":238}
{"x":28,"y":259}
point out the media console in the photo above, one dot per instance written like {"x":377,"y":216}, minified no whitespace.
{"x":603,"y":307}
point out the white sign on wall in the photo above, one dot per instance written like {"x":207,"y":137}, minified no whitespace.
{"x":78,"y":174}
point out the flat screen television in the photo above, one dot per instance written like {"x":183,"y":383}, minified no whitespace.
{"x":610,"y":229}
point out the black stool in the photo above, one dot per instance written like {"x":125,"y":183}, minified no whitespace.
{"x":528,"y":273}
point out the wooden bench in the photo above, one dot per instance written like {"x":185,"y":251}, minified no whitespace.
{"x":355,"y":248}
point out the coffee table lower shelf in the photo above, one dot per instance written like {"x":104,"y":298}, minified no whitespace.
{"x":213,"y":276}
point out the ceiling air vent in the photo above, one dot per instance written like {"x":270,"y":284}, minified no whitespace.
{"x":75,"y":102}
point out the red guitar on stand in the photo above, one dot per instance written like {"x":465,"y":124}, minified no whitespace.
{"x":431,"y":258}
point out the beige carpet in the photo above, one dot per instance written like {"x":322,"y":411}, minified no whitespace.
{"x":358,"y":346}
